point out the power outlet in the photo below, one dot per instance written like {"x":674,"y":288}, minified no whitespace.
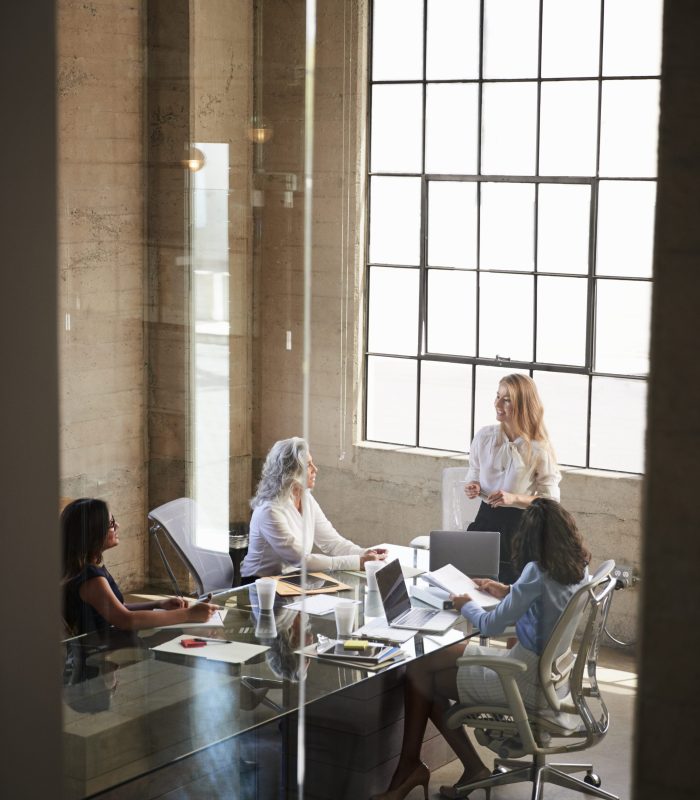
{"x":624,"y":575}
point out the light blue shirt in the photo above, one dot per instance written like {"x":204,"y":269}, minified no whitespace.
{"x":534,"y":605}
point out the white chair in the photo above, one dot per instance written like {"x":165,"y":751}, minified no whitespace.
{"x":177,"y":520}
{"x":457,"y":509}
{"x":568,"y":721}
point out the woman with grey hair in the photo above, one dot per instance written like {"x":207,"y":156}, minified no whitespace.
{"x":283,"y":507}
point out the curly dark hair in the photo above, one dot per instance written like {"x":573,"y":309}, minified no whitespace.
{"x":548,"y":534}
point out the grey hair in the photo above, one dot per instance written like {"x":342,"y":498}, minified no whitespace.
{"x":284,"y":466}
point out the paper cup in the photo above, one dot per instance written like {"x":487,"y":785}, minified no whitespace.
{"x":345,"y":618}
{"x":371,"y":567}
{"x":266,"y":588}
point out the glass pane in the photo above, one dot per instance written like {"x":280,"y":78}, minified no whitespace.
{"x":632,"y":37}
{"x":393,"y":310}
{"x":452,"y":224}
{"x":618,"y":424}
{"x":511,"y":32}
{"x":397,"y":128}
{"x":487,"y":379}
{"x":622,"y":326}
{"x":626,"y":211}
{"x":446,"y":406}
{"x":506,"y":316}
{"x":507,"y":226}
{"x":453,"y":39}
{"x":451,"y":129}
{"x":509,"y":129}
{"x":394,"y":221}
{"x":397,"y":57}
{"x":391,"y":400}
{"x":563,"y":228}
{"x":568,"y":128}
{"x":561,"y":320}
{"x":452,"y":312}
{"x":565,"y":400}
{"x":629,"y":128}
{"x":570,"y":38}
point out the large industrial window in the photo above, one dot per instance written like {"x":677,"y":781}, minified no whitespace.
{"x":512,"y":165}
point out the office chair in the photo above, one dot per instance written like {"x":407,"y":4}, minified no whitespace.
{"x":567,"y":722}
{"x":458,"y":510}
{"x":211,"y":570}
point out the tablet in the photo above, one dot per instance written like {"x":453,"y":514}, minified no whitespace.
{"x":312,"y":582}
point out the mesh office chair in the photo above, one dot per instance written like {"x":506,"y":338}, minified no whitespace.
{"x":568,"y":722}
{"x":211,"y":570}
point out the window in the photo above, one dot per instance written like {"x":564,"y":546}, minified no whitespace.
{"x":512,"y":166}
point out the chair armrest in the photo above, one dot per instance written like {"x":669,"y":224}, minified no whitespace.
{"x":504,"y":666}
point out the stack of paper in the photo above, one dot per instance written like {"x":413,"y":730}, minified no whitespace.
{"x":453,"y":581}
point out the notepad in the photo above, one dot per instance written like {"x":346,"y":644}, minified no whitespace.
{"x":233,"y":653}
{"x":217,"y":621}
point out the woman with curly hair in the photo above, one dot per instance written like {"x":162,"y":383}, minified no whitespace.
{"x":285,"y":515}
{"x":553,"y":561}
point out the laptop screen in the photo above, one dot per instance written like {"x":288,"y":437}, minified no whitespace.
{"x":475,"y":553}
{"x":392,"y":589}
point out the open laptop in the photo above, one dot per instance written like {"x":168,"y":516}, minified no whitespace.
{"x":397,"y":604}
{"x":475,"y":553}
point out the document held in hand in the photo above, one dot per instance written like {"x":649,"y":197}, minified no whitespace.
{"x":453,"y":581}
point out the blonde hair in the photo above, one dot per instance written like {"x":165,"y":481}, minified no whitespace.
{"x":528,"y":411}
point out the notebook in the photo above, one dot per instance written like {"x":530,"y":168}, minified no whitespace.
{"x":397,"y":604}
{"x":475,"y":553}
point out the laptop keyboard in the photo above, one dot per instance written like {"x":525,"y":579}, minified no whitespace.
{"x":417,"y":617}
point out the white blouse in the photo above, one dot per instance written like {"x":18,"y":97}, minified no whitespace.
{"x":497,"y":464}
{"x":276,"y":535}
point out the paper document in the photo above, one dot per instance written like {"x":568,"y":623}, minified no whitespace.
{"x":453,"y":581}
{"x":316,"y":604}
{"x":232,"y":653}
{"x":217,"y":621}
{"x":379,"y":629}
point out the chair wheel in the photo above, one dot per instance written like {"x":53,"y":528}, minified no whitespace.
{"x":592,"y":779}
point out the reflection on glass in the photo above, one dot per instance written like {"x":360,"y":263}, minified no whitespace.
{"x":397,"y":128}
{"x":509,"y":128}
{"x":629,"y":128}
{"x":563,"y":228}
{"x":397,"y":57}
{"x":487,"y":379}
{"x":210,"y":266}
{"x":394,"y":224}
{"x":393,"y":310}
{"x":507,"y":226}
{"x":451,"y":129}
{"x":452,"y":312}
{"x":625,"y":241}
{"x":391,"y":400}
{"x":505,"y":316}
{"x":618,"y":424}
{"x":638,"y":54}
{"x":511,"y":33}
{"x":561,"y":320}
{"x":452,"y":224}
{"x":452,"y":39}
{"x":568,"y":128}
{"x":570,"y":38}
{"x":565,"y":400}
{"x":622,"y":326}
{"x":445,"y":413}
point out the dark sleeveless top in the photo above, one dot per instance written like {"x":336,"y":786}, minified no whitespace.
{"x":81,"y":616}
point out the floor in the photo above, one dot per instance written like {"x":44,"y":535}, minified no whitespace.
{"x":612,"y":758}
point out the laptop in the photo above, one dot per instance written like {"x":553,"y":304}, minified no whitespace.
{"x":397,"y":604}
{"x":475,"y":553}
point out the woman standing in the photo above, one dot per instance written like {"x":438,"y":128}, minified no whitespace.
{"x":510,"y":464}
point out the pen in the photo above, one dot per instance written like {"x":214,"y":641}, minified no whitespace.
{"x":213,"y":641}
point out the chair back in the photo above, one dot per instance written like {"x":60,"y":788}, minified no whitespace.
{"x":177,"y":520}
{"x":458,"y":510}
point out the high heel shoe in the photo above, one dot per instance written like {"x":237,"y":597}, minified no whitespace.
{"x":419,"y":777}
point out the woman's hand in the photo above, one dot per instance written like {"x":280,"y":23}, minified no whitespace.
{"x":472,"y":489}
{"x":171,"y":603}
{"x":501,"y":498}
{"x":201,"y":612}
{"x":373,"y":554}
{"x":494,"y":588}
{"x":458,"y":600}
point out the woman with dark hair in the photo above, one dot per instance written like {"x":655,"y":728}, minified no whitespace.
{"x":510,"y":464}
{"x":287,"y":521}
{"x":553,"y":560}
{"x":91,"y":597}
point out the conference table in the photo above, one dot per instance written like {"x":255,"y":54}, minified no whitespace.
{"x":150,"y":716}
